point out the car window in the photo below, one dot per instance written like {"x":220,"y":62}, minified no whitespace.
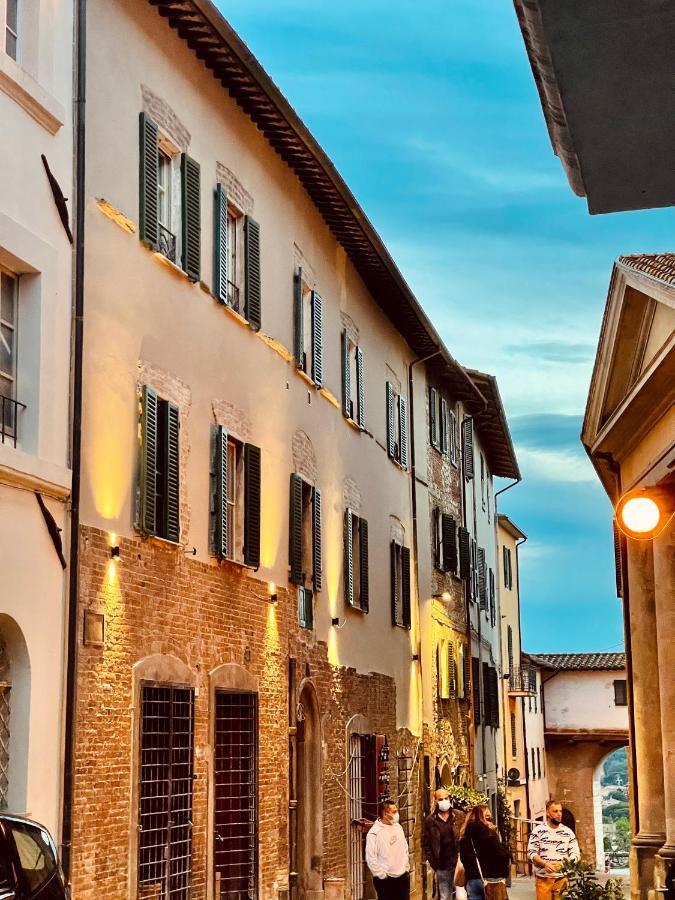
{"x":36,"y":852}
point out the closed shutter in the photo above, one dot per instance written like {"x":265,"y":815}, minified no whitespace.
{"x":148,"y":178}
{"x":494,"y":697}
{"x":482,"y":588}
{"x":474,"y":571}
{"x":295,"y":531}
{"x":390,"y":420}
{"x":466,"y":662}
{"x":317,"y":555}
{"x":192,"y":216}
{"x":346,"y":380}
{"x":349,"y":558}
{"x":298,"y":323}
{"x":220,"y":493}
{"x":505,"y":567}
{"x":252,"y":275}
{"x":172,"y":505}
{"x":508,"y":560}
{"x":487,"y":695}
{"x":493,"y":604}
{"x":405,"y":587}
{"x":148,"y":473}
{"x":509,"y":645}
{"x":396,"y":616}
{"x":360,"y":390}
{"x":618,"y":570}
{"x":464,"y":554}
{"x":453,"y":438}
{"x":452,"y":671}
{"x":449,"y":537}
{"x":461,"y":683}
{"x":365,"y":590}
{"x":403,"y":432}
{"x":467,"y":447}
{"x":514,"y":736}
{"x":252,"y":471}
{"x":475,"y":676}
{"x":317,"y":339}
{"x":220,"y":273}
{"x":442,"y":667}
{"x":433,"y":422}
{"x":444,"y":425}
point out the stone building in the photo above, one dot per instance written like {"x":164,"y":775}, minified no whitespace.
{"x":36,"y":99}
{"x":250,"y":677}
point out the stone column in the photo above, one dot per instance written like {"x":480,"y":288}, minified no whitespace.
{"x":646,"y":717}
{"x":664,"y":592}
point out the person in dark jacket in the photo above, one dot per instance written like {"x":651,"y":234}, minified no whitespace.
{"x":480,"y":844}
{"x":439,"y":844}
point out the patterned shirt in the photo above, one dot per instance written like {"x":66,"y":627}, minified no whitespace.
{"x":551,"y":845}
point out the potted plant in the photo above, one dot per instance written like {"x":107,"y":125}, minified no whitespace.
{"x":583,"y":884}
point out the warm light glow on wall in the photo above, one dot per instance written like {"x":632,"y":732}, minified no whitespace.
{"x":109,"y":465}
{"x":643,"y":513}
{"x":333,"y":656}
{"x":640,"y":514}
{"x":274,"y":511}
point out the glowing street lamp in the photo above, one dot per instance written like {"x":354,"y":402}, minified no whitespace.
{"x":643,"y":513}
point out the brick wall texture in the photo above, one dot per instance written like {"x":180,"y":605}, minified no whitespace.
{"x":157,"y":600}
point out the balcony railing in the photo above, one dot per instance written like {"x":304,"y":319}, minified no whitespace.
{"x":233,"y":296}
{"x":167,"y":243}
{"x":522,"y":682}
{"x":9,"y":419}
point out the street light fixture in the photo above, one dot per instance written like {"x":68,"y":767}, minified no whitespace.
{"x":643,"y":513}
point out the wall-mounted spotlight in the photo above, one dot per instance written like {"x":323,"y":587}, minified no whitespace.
{"x":446,"y":595}
{"x":272,"y":592}
{"x":643,"y":513}
{"x":115,"y":552}
{"x":337,"y":622}
{"x":416,"y":657}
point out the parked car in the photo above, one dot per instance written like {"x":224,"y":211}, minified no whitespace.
{"x":29,"y":863}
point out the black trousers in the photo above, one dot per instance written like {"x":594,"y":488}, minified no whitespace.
{"x":393,"y":888}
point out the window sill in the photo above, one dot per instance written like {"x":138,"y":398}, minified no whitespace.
{"x":21,"y":469}
{"x":237,"y":563}
{"x":174,"y":267}
{"x":27,"y":93}
{"x":353,"y":424}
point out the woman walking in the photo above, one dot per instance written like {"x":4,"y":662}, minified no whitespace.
{"x":484,"y":857}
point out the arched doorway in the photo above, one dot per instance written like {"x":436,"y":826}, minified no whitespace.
{"x":611,"y":810}
{"x":310,"y":796}
{"x":14,"y":716}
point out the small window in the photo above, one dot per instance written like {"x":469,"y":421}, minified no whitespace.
{"x":620,"y":693}
{"x":433,"y":418}
{"x":168,"y":199}
{"x":508,"y":578}
{"x":357,"y":593}
{"x":235,"y":231}
{"x":353,"y":384}
{"x":308,"y":329}
{"x":305,"y":608}
{"x":235,"y":498}
{"x":400,"y":585}
{"x":12,"y":29}
{"x":305,"y":558}
{"x":159,"y":482}
{"x":534,"y":770}
{"x":453,"y":438}
{"x":443,"y":653}
{"x":397,"y":426}
{"x":9,"y":312}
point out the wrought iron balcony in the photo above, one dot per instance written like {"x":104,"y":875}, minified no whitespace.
{"x":233,"y":296}
{"x":522,"y":682}
{"x":167,"y":243}
{"x":9,"y":419}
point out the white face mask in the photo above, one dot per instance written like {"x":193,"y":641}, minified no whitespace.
{"x":395,"y":818}
{"x":444,"y":805}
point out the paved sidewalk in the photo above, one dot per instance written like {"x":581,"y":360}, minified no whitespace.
{"x":522,"y":888}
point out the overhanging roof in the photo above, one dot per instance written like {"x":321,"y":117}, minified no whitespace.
{"x":580,"y":662}
{"x":222,"y":51}
{"x":494,"y":429}
{"x":604,"y":72}
{"x":510,"y":526}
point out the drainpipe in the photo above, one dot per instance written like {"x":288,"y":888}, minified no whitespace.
{"x":76,"y":426}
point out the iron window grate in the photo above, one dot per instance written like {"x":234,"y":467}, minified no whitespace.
{"x":5,"y":690}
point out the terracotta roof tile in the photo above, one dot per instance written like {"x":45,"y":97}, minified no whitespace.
{"x":580,"y":661}
{"x":657,"y":265}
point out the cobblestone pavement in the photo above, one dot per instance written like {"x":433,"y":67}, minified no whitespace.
{"x":522,"y":888}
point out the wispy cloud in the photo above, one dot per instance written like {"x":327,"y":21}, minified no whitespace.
{"x":554,"y":351}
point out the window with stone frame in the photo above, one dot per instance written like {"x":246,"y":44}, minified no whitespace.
{"x":397,"y":425}
{"x":159,"y":475}
{"x":353,"y":380}
{"x":308,"y":328}
{"x":9,"y":316}
{"x":168,"y":198}
{"x":620,"y":692}
{"x":305,"y":539}
{"x":12,"y":23}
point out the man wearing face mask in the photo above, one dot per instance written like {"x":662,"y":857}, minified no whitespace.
{"x":387,"y":854}
{"x":550,"y":844}
{"x":439,"y":844}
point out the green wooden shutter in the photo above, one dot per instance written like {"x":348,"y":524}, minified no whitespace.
{"x":491,"y":595}
{"x":444,"y":425}
{"x":360,"y":390}
{"x":346,"y":380}
{"x":349,"y":558}
{"x":220,"y":273}
{"x":403,"y":432}
{"x":295,"y":531}
{"x":482,"y":588}
{"x":298,"y":323}
{"x":363,"y":539}
{"x":148,"y":179}
{"x":148,"y":472}
{"x":487,"y":695}
{"x":449,"y":539}
{"x":509,"y":645}
{"x":475,"y":685}
{"x":390,"y":420}
{"x":192,"y":216}
{"x":433,"y":421}
{"x":453,"y":438}
{"x":464,"y":554}
{"x":252,"y":471}
{"x":220,"y":470}
{"x":317,"y":339}
{"x":466,"y":661}
{"x":618,"y":571}
{"x":452,"y":671}
{"x":467,"y":447}
{"x":395,"y":587}
{"x":252,"y":282}
{"x":405,"y":586}
{"x":317,"y":555}
{"x":172,"y":504}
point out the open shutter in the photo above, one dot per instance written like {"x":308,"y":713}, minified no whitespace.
{"x":360,"y":390}
{"x":349,"y":558}
{"x":295,"y":531}
{"x":464,"y":554}
{"x":452,"y":671}
{"x":487,"y":694}
{"x":494,"y":697}
{"x":467,"y":447}
{"x":474,"y":571}
{"x":491,"y":594}
{"x":461,"y":683}
{"x":220,"y":274}
{"x":453,"y":437}
{"x":220,"y":468}
{"x":405,"y":586}
{"x":252,"y":471}
{"x":172,"y":504}
{"x":433,"y":420}
{"x":252,"y":277}
{"x":390,"y":419}
{"x":442,"y":667}
{"x":444,"y":425}
{"x":317,"y":557}
{"x":482,"y":592}
{"x":475,"y":685}
{"x":365,"y":592}
{"x":509,"y":646}
{"x":403,"y":432}
{"x":618,"y":572}
{"x":192,"y":216}
{"x":148,"y":473}
{"x":317,"y":339}
{"x":466,"y":661}
{"x":298,"y":323}
{"x":449,"y":538}
{"x":395,"y":586}
{"x":148,"y":178}
{"x":346,"y":382}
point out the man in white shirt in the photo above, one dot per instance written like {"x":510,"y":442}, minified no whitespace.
{"x":387,"y":854}
{"x":550,"y":844}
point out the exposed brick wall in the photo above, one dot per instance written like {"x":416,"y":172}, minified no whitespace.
{"x":234,"y":189}
{"x":157,"y":600}
{"x":161,"y":113}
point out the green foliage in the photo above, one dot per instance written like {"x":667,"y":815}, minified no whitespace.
{"x":615,"y":768}
{"x":614,"y":812}
{"x":622,"y":826}
{"x":583,"y":884}
{"x":503,"y":814}
{"x":620,"y":794}
{"x":607,"y":843}
{"x":465,"y":798}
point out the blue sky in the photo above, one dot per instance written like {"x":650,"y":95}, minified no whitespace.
{"x":430,"y":113}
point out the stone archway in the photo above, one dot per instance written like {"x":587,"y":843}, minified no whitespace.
{"x":611,"y":796}
{"x":310,"y":797}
